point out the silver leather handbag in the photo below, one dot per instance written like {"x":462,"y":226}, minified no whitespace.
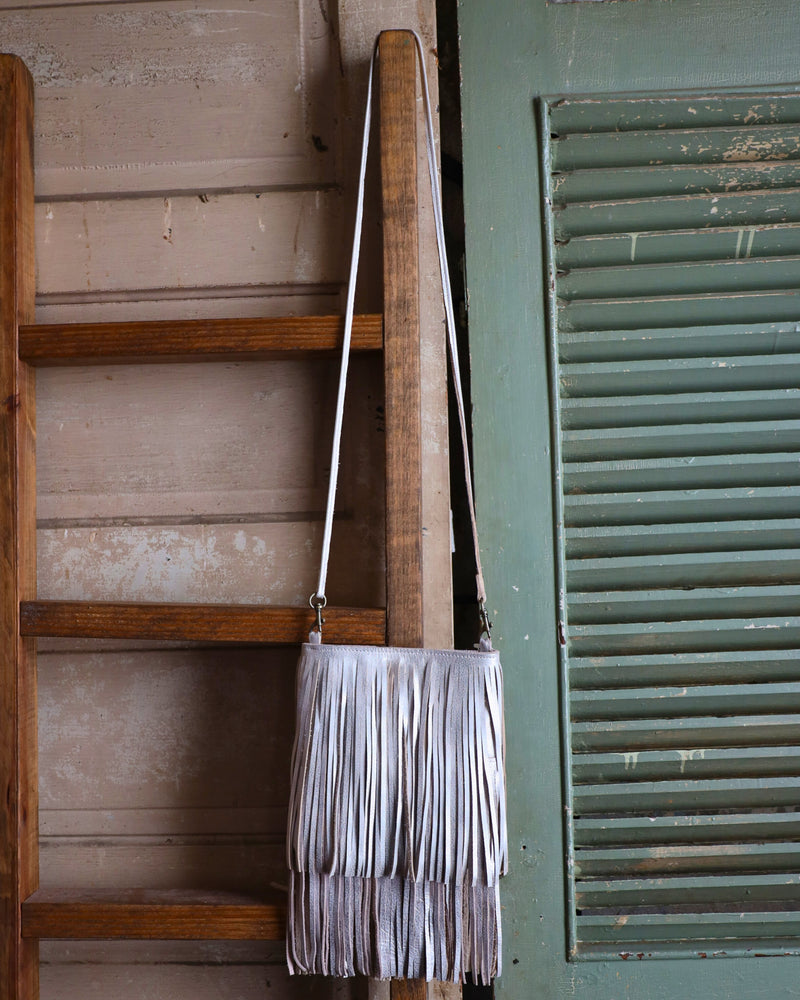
{"x":397,"y":826}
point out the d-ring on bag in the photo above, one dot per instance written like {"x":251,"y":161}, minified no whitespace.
{"x":397,"y":826}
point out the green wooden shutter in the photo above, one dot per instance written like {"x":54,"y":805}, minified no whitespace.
{"x":674,"y":234}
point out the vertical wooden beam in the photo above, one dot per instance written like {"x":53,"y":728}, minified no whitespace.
{"x":19,"y":835}
{"x":398,"y":142}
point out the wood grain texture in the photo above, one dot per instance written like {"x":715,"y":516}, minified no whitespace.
{"x":190,"y":818}
{"x":408,"y":989}
{"x":398,"y":134}
{"x":359,"y":24}
{"x":237,"y":244}
{"x":166,"y":768}
{"x":122,"y":112}
{"x":251,"y":564}
{"x":198,"y":622}
{"x":203,"y":482}
{"x":398,"y":141}
{"x":202,"y":95}
{"x":166,"y":914}
{"x":178,"y":970}
{"x":199,"y":303}
{"x":241,"y":442}
{"x":235,"y":864}
{"x":19,"y":863}
{"x":240,"y":339}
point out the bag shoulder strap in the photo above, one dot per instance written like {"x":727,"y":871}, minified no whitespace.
{"x":318,"y":599}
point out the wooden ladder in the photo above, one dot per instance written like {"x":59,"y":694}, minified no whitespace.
{"x":28,"y":913}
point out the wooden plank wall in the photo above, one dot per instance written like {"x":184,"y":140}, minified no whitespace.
{"x":193,"y":159}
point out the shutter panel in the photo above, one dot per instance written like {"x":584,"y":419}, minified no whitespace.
{"x":674,"y":238}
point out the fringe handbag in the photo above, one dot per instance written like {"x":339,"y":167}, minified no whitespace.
{"x":397,"y":826}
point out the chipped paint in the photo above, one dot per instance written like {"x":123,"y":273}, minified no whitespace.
{"x":687,"y":756}
{"x":626,"y":740}
{"x":167,"y":221}
{"x":752,"y":147}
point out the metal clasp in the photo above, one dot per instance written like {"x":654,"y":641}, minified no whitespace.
{"x":318,"y":602}
{"x":486,"y":625}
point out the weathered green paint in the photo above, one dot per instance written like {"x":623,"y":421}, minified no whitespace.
{"x":514,"y":51}
{"x":672,"y":573}
{"x":656,"y":248}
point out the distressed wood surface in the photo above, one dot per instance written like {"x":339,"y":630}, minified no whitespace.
{"x":115,"y":439}
{"x":150,"y":913}
{"x":154,"y":971}
{"x":160,"y":768}
{"x":144,"y":100}
{"x":239,"y":339}
{"x":203,"y":483}
{"x":193,"y":303}
{"x":236,"y":863}
{"x":157,"y":789}
{"x":197,"y":622}
{"x":165,"y":97}
{"x":408,"y":989}
{"x":19,"y":857}
{"x":398,"y":131}
{"x":359,"y":25}
{"x":242,"y":243}
{"x":215,"y":563}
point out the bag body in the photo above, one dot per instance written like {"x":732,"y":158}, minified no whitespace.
{"x":397,"y":825}
{"x":397,"y":830}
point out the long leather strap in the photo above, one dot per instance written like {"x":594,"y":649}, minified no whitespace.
{"x":318,"y":599}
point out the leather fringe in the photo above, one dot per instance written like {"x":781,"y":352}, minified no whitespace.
{"x":392,"y":928}
{"x":397,"y":827}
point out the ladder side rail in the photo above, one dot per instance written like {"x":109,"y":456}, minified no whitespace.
{"x":19,"y":835}
{"x":402,"y":363}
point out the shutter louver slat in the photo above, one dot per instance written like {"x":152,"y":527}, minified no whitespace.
{"x":680,"y":309}
{"x":667,"y":830}
{"x":671,"y":507}
{"x":600,"y":607}
{"x":654,"y":247}
{"x":683,"y":860}
{"x":683,"y":732}
{"x":675,"y":267}
{"x":724,"y":276}
{"x":648,"y":147}
{"x":708,"y":536}
{"x":681,"y":439}
{"x":609,"y":673}
{"x":657,"y":765}
{"x":705,"y":699}
{"x":660,"y":343}
{"x":683,"y":179}
{"x":626,"y":114}
{"x":683,"y":891}
{"x":657,"y":410}
{"x":690,"y":212}
{"x":730,"y":634}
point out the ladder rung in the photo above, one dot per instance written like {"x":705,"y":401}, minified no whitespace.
{"x":153,"y":914}
{"x":162,"y":341}
{"x":198,"y":622}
